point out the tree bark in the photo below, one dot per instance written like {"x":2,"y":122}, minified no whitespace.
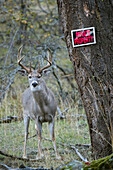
{"x":93,"y":66}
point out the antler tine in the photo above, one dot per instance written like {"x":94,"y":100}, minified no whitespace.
{"x":20,"y":59}
{"x":49,"y":62}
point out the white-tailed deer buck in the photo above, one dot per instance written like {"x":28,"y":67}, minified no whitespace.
{"x":38,"y":103}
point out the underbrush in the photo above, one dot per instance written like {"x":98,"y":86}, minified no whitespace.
{"x":72,"y":130}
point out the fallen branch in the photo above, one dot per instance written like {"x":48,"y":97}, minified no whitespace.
{"x":79,"y":154}
{"x":77,"y":144}
{"x":9,"y":119}
{"x":19,"y":158}
{"x":22,"y":167}
{"x":81,"y":144}
{"x":4,"y":166}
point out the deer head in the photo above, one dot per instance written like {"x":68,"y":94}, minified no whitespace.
{"x":35,"y":77}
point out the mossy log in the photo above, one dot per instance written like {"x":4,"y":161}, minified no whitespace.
{"x":102,"y":163}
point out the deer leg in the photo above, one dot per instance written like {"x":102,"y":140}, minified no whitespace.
{"x":39,"y":136}
{"x":26,"y":123}
{"x":52,"y":135}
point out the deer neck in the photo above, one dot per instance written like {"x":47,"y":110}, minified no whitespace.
{"x":41,"y":96}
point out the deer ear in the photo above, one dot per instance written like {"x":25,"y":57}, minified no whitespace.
{"x":46,"y":72}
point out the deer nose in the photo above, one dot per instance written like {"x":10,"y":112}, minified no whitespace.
{"x":34,"y":84}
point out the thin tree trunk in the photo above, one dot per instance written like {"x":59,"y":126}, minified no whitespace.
{"x":93,"y":66}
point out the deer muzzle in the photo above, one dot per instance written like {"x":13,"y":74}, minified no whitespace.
{"x":34,"y":84}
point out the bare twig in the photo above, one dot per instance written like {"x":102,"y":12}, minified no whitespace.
{"x":11,"y":44}
{"x":60,"y":114}
{"x":66,"y":76}
{"x":59,"y":83}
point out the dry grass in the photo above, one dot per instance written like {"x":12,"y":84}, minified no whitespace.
{"x":71,"y":130}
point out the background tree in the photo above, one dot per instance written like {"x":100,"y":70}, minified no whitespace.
{"x":35,"y":25}
{"x":93,"y":66}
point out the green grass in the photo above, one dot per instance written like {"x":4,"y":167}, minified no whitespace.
{"x":12,"y":137}
{"x":72,"y":130}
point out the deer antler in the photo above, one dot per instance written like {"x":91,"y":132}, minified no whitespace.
{"x":20,"y":59}
{"x":49,"y":63}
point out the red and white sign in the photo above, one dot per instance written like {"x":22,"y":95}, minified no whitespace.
{"x":85,"y":36}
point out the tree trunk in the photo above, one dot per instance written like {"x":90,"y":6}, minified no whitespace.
{"x":93,"y":66}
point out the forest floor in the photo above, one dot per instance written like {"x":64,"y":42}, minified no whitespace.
{"x":70,"y":131}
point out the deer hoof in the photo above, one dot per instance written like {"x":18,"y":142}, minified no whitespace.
{"x":58,"y":157}
{"x":40,"y":156}
{"x":25,"y":156}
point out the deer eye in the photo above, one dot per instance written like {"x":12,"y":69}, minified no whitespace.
{"x":30,"y":77}
{"x":39,"y":75}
